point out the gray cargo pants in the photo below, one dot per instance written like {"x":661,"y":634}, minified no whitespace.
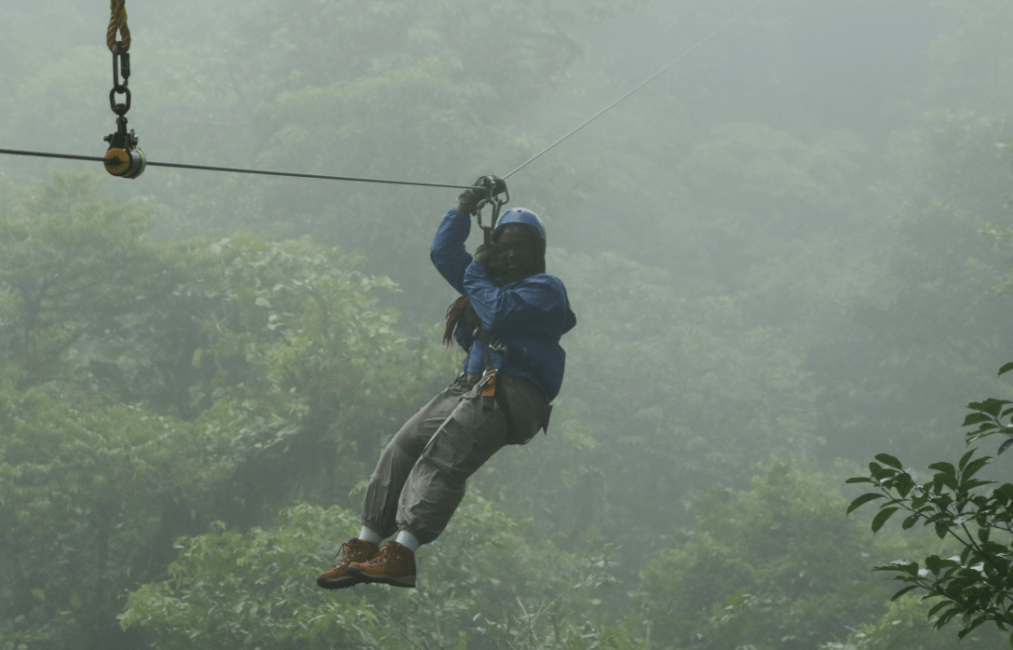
{"x":420,"y":479}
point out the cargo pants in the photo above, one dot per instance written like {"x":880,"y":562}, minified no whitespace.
{"x":422,"y":474}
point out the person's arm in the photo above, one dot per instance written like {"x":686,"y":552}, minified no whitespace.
{"x":515,"y":306}
{"x":447,"y":251}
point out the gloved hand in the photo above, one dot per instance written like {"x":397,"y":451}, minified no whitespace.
{"x":488,"y":255}
{"x":470,"y":198}
{"x":485,"y":186}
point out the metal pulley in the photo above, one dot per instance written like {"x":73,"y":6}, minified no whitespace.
{"x":124,"y":158}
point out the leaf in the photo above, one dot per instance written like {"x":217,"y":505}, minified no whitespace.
{"x":991,"y":406}
{"x":973,"y":468}
{"x":936,"y":564}
{"x":938,"y":606}
{"x":943,"y":479}
{"x":903,"y":484}
{"x":945,"y":617}
{"x":882,"y":518}
{"x":903,"y":591}
{"x":859,"y":479}
{"x":887,"y":459}
{"x":944,"y":468}
{"x":1003,"y":371}
{"x":976,"y":418}
{"x":862,"y":500}
{"x":971,"y":626}
{"x":1004,"y":446}
{"x":910,"y":522}
{"x":1004,"y":492}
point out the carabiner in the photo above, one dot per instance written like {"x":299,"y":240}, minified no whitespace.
{"x":496,"y":187}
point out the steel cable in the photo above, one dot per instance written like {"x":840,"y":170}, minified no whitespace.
{"x":118,"y":22}
{"x":682,"y":56}
{"x":263,"y":172}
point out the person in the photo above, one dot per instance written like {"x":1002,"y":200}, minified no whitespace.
{"x":509,"y":318}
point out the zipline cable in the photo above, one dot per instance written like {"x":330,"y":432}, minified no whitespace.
{"x":263,"y":172}
{"x":118,"y":23}
{"x":682,"y":56}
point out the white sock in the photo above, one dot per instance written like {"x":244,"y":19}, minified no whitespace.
{"x":367,"y":535}
{"x":407,"y":539}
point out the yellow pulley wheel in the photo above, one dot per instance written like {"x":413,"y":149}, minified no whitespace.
{"x":125,"y":164}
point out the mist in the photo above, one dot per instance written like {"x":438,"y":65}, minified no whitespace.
{"x":787,"y":253}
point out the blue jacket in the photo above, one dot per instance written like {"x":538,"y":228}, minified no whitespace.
{"x":528,"y":316}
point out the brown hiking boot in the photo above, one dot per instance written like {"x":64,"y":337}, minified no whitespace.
{"x":354,"y":550}
{"x":393,"y":565}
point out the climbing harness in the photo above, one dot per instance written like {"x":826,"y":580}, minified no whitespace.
{"x":492,"y":396}
{"x":123,"y":158}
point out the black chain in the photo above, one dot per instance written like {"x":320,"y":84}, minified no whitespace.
{"x":122,"y":139}
{"x":120,"y":62}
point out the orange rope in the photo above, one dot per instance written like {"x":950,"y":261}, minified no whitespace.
{"x":118,"y":22}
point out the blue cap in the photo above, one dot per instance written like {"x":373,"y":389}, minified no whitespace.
{"x":524,"y":216}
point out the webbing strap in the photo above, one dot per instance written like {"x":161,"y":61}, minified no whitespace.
{"x":508,"y":357}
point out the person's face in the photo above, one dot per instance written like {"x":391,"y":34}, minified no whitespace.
{"x":519,"y":252}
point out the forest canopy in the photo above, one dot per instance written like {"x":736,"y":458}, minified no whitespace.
{"x":788,"y":254}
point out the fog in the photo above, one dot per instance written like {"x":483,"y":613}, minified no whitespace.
{"x":787,"y":253}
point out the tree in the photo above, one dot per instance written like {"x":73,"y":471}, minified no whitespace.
{"x":482,"y":587}
{"x":75,"y":267}
{"x":772,"y":567}
{"x":148,"y":388}
{"x":905,"y":626}
{"x":976,"y":585}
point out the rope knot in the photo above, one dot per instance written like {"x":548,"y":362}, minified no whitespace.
{"x":118,"y":23}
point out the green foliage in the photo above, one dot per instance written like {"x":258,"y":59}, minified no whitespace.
{"x":924,"y":330}
{"x":751,"y":281}
{"x":774,"y":567}
{"x":973,"y":586}
{"x":654,"y":375}
{"x":150,"y":387}
{"x":88,"y":496}
{"x":75,"y":265}
{"x":905,"y":625}
{"x":257,"y":591}
{"x":481,"y":587}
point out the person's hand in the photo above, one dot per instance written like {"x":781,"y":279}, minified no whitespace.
{"x":469,"y":199}
{"x":488,"y":256}
{"x":484,"y":187}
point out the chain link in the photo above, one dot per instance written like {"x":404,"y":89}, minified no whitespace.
{"x":121,"y":63}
